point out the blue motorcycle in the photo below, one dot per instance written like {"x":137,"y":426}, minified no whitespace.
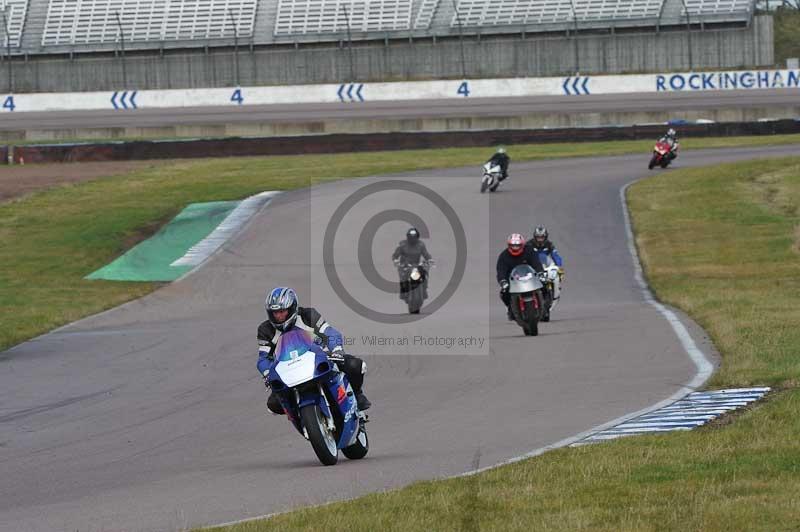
{"x":317,"y":398}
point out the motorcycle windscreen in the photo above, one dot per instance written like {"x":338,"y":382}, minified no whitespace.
{"x":523,"y":272}
{"x":545,"y":259}
{"x":293,"y":344}
{"x":663,"y":147}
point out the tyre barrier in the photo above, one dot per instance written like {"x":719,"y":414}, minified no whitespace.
{"x":364,"y":142}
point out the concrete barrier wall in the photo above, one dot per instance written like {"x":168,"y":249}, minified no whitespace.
{"x":355,"y":93}
{"x":488,"y":57}
{"x":374,"y":142}
{"x":433,"y":124}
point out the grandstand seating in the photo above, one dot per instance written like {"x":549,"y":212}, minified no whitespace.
{"x":15,"y":11}
{"x":497,"y":12}
{"x":617,"y":9}
{"x":522,"y":12}
{"x":425,"y":14}
{"x":718,"y":7}
{"x":94,"y":21}
{"x":331,"y":16}
{"x":41,"y":26}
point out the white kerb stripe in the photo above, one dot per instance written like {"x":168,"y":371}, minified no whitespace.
{"x":224,"y":231}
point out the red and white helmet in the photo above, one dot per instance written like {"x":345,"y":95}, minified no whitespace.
{"x":516,"y":244}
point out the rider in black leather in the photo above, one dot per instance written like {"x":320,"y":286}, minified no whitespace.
{"x":410,"y":251}
{"x":501,"y":158}
{"x":516,"y":253}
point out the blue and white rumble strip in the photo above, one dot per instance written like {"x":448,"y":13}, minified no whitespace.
{"x":695,"y":409}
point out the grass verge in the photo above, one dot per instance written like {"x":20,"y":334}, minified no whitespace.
{"x":787,"y":34}
{"x":51,"y":239}
{"x":723,"y":244}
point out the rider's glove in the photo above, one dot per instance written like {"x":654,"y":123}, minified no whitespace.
{"x":396,"y":262}
{"x":266,"y":381}
{"x":504,"y":286}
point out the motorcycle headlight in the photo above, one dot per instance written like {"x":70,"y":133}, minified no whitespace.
{"x":415,"y":275}
{"x":552,"y":274}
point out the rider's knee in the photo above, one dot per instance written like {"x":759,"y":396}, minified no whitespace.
{"x":274,"y":404}
{"x":354,"y":365}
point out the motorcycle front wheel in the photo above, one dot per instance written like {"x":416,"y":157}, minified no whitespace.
{"x":653,"y":162}
{"x":322,"y":440}
{"x":547,"y":302}
{"x":360,"y":448}
{"x":415,"y":300}
{"x":527,"y":318}
{"x":484,"y":185}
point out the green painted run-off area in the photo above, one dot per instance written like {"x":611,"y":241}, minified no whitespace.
{"x":150,"y":260}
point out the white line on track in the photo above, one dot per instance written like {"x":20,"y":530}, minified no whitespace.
{"x":201,"y":251}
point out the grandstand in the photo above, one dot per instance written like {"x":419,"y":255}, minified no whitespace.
{"x":35,"y":27}
{"x":71,"y":22}
{"x":13,"y":20}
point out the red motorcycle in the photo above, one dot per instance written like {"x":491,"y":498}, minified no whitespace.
{"x":663,"y":154}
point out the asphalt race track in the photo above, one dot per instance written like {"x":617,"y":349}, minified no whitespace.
{"x":452,"y":108}
{"x":152,"y":416}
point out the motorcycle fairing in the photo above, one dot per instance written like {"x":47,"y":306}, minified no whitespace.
{"x":523,"y":279}
{"x":300,"y":371}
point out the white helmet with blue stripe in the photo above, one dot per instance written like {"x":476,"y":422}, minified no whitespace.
{"x":281,"y":299}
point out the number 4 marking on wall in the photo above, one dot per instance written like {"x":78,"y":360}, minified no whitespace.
{"x":9,"y":104}
{"x":237,"y":96}
{"x":463,"y":89}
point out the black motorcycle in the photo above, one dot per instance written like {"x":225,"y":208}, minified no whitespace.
{"x":412,"y":283}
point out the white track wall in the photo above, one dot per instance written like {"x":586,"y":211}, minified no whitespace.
{"x":354,"y":94}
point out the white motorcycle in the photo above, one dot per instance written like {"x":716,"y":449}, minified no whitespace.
{"x":552,"y":278}
{"x":491,"y":177}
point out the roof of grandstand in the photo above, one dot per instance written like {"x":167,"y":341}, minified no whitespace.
{"x":59,"y":26}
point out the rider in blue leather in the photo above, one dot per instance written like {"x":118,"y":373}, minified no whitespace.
{"x":283,"y":312}
{"x":541,"y":244}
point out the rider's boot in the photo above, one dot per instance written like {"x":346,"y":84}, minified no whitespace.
{"x":355,"y":368}
{"x":362,"y":401}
